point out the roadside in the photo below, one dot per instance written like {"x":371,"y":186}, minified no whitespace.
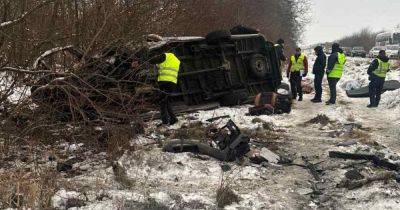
{"x":145,"y":177}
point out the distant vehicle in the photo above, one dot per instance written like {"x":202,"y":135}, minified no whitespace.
{"x":347,"y":51}
{"x":374,"y":52}
{"x":358,"y":52}
{"x":387,"y":38}
{"x":392,"y":51}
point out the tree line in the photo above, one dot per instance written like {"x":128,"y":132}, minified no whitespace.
{"x":364,"y":38}
{"x":30,"y":27}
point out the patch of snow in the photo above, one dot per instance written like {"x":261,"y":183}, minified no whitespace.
{"x":391,"y":99}
{"x":59,"y":200}
{"x":47,"y":53}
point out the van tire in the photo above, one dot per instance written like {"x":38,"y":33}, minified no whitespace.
{"x":259,"y":66}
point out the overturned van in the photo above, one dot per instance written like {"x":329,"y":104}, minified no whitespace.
{"x":230,"y":69}
{"x":221,"y":67}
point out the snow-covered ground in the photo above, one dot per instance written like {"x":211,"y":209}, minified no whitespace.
{"x":148,"y":178}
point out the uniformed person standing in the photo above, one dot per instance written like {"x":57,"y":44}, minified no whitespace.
{"x":377,"y":74}
{"x":168,"y":70}
{"x":318,"y":71}
{"x":298,"y":68}
{"x":336,"y":62}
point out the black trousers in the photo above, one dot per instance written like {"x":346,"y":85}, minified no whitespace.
{"x":375,"y":90}
{"x":332,"y":89}
{"x":318,"y":85}
{"x":167,"y":115}
{"x":295,"y":84}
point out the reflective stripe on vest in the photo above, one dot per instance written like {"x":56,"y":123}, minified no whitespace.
{"x":337,"y":70}
{"x":297,"y":65}
{"x":382,"y":69}
{"x":169,"y":69}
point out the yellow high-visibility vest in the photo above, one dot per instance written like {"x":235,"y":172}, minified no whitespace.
{"x":382,"y":69}
{"x":169,"y":69}
{"x":297,"y":65}
{"x":337,"y":70}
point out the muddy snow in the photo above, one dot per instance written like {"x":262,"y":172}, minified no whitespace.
{"x":148,"y":178}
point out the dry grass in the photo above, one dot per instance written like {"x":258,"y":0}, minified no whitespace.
{"x":195,"y":131}
{"x":226,"y":196}
{"x":27,"y":189}
{"x":319,"y":119}
{"x":121,"y":176}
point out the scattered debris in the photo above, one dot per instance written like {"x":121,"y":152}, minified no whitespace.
{"x":353,"y":174}
{"x":268,"y":103}
{"x":319,"y":119}
{"x":311,"y":168}
{"x":354,"y":184}
{"x":230,"y":144}
{"x":374,"y":158}
{"x":218,"y":118}
{"x":269,"y":156}
{"x":347,"y":143}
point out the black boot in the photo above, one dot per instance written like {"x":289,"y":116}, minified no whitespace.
{"x":300,"y":98}
{"x":316,"y":100}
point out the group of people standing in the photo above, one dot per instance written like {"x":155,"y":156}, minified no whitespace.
{"x":298,"y":68}
{"x":169,"y":65}
{"x":333,"y":67}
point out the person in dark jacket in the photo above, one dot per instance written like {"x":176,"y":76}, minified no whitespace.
{"x":377,"y":74}
{"x":319,"y":71}
{"x":279,"y":46}
{"x":334,"y":71}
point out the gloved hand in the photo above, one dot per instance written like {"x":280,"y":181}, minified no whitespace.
{"x":287,"y":75}
{"x":304,"y":74}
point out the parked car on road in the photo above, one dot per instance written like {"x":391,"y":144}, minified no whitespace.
{"x":358,"y":52}
{"x":373,"y":53}
{"x":393,"y":51}
{"x":347,"y":51}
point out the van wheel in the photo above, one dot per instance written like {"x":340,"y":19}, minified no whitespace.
{"x":218,"y":36}
{"x":259,"y":65}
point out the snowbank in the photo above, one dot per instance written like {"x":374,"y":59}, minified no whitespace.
{"x":391,"y":99}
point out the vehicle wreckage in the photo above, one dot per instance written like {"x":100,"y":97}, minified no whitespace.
{"x":225,"y":67}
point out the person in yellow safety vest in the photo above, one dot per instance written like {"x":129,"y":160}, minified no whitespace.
{"x":168,"y":70}
{"x":298,"y":68}
{"x":168,"y":66}
{"x":335,"y":67}
{"x":377,"y":74}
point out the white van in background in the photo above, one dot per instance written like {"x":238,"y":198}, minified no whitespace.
{"x":393,"y":51}
{"x":374,"y":52}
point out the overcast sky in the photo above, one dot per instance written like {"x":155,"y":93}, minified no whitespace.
{"x":333,"y":19}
